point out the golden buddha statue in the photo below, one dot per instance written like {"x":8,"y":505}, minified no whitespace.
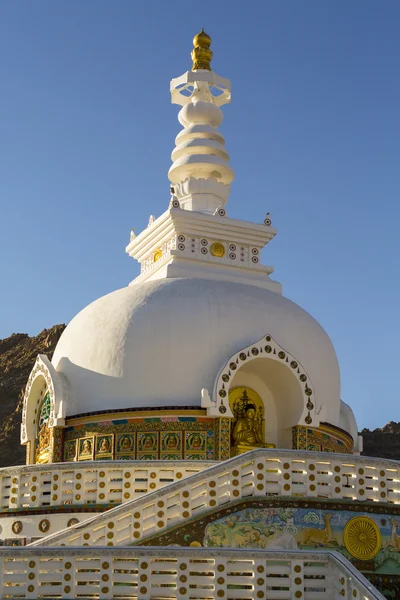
{"x":43,"y":445}
{"x":247,"y":430}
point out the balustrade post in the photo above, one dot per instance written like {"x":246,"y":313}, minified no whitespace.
{"x":297,"y":578}
{"x":286,"y":484}
{"x":220,"y":577}
{"x":32,"y":577}
{"x":55,"y":488}
{"x":69,"y":589}
{"x":182,"y":578}
{"x":143,"y":579}
{"x":353,"y":591}
{"x":106,"y":578}
{"x":259,"y":578}
{"x":382,"y":485}
{"x":14,"y":500}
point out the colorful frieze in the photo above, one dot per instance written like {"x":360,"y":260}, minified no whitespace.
{"x":148,"y":438}
{"x":323,"y":439}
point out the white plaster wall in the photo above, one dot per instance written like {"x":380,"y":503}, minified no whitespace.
{"x":348,"y":423}
{"x":159,"y":343}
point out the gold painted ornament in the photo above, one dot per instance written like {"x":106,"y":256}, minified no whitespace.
{"x":201,"y":54}
{"x":157,"y":255}
{"x":362,"y":538}
{"x":217,"y":249}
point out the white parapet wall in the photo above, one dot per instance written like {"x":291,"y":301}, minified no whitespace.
{"x":177,"y":574}
{"x":260,"y":473}
{"x":89,"y":482}
{"x":38,"y":500}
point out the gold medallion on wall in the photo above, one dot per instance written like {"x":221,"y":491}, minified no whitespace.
{"x":217,"y":249}
{"x":362,"y":538}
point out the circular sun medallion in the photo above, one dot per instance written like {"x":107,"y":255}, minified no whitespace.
{"x":362,"y":538}
{"x":217,"y":249}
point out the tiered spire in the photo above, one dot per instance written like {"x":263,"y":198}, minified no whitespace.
{"x":200,"y":173}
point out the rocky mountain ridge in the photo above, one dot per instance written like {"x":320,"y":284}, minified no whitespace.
{"x":17,"y":357}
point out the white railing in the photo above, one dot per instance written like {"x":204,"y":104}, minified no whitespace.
{"x":180,"y":574}
{"x":283,"y":473}
{"x":90,"y":482}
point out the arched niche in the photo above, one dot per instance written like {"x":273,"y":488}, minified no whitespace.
{"x":281,"y":394}
{"x":279,"y":379}
{"x":43,"y":380}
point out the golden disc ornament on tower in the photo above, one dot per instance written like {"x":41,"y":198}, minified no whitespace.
{"x":362,"y":538}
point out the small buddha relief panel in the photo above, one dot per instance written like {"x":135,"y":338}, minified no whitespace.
{"x":148,"y":438}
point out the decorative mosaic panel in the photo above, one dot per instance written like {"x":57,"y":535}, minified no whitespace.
{"x":57,"y":447}
{"x":148,"y":438}
{"x":321,"y":440}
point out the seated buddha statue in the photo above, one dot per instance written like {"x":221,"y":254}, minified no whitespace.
{"x":248,"y":434}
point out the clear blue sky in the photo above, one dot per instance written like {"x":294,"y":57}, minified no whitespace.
{"x":86,"y":131}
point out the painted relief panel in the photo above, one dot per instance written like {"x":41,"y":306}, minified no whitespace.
{"x":171,"y":445}
{"x":70,"y":450}
{"x":86,"y":448}
{"x":195,"y":446}
{"x":370,"y":541}
{"x":323,"y":439}
{"x":148,"y":438}
{"x":104,"y":446}
{"x":125,"y":446}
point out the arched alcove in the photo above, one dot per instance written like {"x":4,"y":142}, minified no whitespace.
{"x":281,"y":394}
{"x":276,"y":376}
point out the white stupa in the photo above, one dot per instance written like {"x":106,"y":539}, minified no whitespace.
{"x":196,"y":410}
{"x":202,"y":298}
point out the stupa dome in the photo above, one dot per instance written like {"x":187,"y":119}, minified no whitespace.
{"x":159,"y":343}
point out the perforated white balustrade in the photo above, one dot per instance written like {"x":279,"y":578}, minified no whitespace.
{"x":270,"y":473}
{"x":91,"y":482}
{"x":179,"y":574}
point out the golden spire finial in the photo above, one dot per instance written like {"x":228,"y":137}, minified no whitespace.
{"x":201,"y":53}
